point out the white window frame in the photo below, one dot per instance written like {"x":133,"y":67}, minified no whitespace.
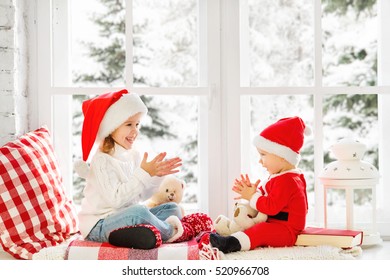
{"x":223,"y":119}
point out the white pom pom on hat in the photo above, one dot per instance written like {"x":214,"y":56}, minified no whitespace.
{"x":81,"y":168}
{"x":284,"y":138}
{"x":308,"y":131}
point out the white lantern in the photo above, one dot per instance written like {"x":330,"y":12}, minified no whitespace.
{"x":349,"y":172}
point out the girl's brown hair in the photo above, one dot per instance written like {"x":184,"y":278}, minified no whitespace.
{"x":108,"y":145}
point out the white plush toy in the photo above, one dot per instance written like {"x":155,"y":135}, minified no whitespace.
{"x":170,"y":190}
{"x":244,"y":217}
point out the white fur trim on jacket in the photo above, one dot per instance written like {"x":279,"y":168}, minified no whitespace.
{"x":127,"y":106}
{"x":277,"y":149}
{"x":254,"y":198}
{"x":243,"y":239}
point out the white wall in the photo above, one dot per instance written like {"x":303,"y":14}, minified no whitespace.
{"x":14,"y":67}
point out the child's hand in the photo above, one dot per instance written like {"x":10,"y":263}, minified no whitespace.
{"x":245,"y":188}
{"x":160,"y":167}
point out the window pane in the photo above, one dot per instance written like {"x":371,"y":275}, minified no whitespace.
{"x":267,"y":109}
{"x":97,"y":43}
{"x":165,"y":45}
{"x":171,"y":126}
{"x":349,"y":43}
{"x":179,"y":137}
{"x":352,"y":116}
{"x":280,"y":42}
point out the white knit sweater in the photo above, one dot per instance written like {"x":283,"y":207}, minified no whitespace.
{"x":114,"y":183}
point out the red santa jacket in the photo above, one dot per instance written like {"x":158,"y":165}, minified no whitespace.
{"x":284,"y":199}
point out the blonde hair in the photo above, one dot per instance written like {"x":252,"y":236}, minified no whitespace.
{"x":108,"y":145}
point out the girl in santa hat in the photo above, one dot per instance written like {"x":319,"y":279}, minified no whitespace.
{"x":118,"y":178}
{"x":282,"y":197}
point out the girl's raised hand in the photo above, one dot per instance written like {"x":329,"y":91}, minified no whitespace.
{"x":160,"y":167}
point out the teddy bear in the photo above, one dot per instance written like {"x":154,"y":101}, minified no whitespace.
{"x":171,"y":189}
{"x":244,"y":217}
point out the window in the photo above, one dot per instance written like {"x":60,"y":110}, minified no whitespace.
{"x":229,"y":70}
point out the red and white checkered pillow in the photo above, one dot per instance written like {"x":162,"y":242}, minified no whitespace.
{"x":35,"y":211}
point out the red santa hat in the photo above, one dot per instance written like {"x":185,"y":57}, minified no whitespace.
{"x":283,"y":138}
{"x":105,"y":113}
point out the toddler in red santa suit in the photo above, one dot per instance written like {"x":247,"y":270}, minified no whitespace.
{"x":282,"y":197}
{"x":118,"y":179}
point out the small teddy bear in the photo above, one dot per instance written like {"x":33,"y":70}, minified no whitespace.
{"x":244,"y":217}
{"x":171,"y":189}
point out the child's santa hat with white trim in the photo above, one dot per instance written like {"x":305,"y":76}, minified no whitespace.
{"x":284,"y":139}
{"x":103,"y":114}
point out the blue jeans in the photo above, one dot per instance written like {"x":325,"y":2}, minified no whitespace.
{"x":134,"y":215}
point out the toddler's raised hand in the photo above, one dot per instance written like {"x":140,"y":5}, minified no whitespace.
{"x":160,"y":167}
{"x":244,"y":187}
